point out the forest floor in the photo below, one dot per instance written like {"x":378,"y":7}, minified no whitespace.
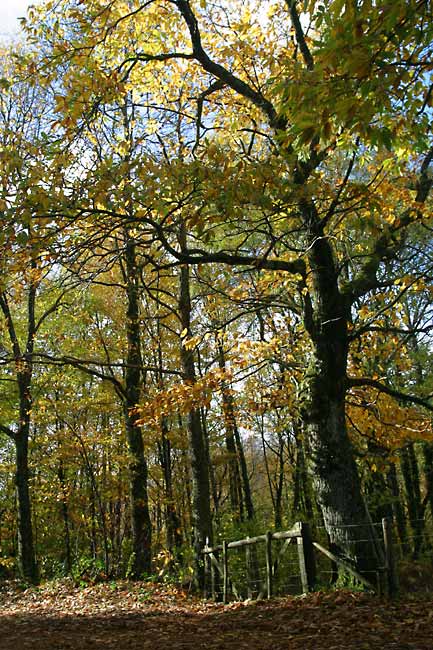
{"x":133,"y":616}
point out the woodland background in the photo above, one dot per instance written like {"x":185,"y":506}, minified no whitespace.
{"x":215,"y":281}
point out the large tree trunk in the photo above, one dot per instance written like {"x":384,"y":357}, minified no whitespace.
{"x":335,"y":476}
{"x":141,"y":526}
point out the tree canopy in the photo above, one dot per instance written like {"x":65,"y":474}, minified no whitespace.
{"x":216,"y":256}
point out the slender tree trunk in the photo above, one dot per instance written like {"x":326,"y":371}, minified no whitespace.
{"x":410,"y":468}
{"x":397,"y":508}
{"x":141,"y":526}
{"x":172,"y":522}
{"x":93,"y":536}
{"x":26,"y":553}
{"x":186,"y":510}
{"x":302,"y":501}
{"x":24,"y":370}
{"x":215,"y":493}
{"x":410,"y":471}
{"x":378,"y":496}
{"x":64,"y":509}
{"x":246,"y":486}
{"x":235,"y":488}
{"x":427,"y":450}
{"x":278,"y":518}
{"x":201,"y":511}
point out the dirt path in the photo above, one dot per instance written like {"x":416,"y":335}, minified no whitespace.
{"x":132,"y":617}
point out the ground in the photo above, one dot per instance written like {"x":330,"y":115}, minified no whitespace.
{"x":133,"y":616}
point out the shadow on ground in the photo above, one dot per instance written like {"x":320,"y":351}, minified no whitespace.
{"x":319,"y":622}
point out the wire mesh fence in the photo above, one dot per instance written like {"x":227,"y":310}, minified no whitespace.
{"x":296,"y":561}
{"x":413,"y":553}
{"x":360,"y":541}
{"x":271,"y":564}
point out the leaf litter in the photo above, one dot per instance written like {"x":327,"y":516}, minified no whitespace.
{"x":140,"y":615}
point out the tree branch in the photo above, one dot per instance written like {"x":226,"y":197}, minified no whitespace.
{"x":425,"y":180}
{"x":300,"y":36}
{"x":214,"y":87}
{"x":392,"y":392}
{"x":68,"y":360}
{"x":256,"y":262}
{"x":218,"y":71}
{"x":7,"y":431}
{"x":386,"y":246}
{"x":4,"y":305}
{"x":143,"y":56}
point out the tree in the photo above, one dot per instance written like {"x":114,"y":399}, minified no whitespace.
{"x":317,"y":115}
{"x":27,"y":178}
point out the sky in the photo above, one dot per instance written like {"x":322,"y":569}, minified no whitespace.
{"x":10,"y":10}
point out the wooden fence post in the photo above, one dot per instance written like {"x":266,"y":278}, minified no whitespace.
{"x":213,"y":576}
{"x":269,"y":564}
{"x":225,"y":573}
{"x":391,"y":573}
{"x":248,"y":569}
{"x":307,"y":560}
{"x":207,"y":563}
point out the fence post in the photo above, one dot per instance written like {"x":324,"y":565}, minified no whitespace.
{"x":225,"y":573}
{"x":207,"y":563}
{"x":307,"y":560}
{"x":391,"y":573}
{"x":269,"y":563}
{"x":248,"y":569}
{"x":214,"y":575}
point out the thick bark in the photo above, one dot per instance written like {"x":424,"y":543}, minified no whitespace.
{"x":326,"y":315}
{"x":335,"y":477}
{"x":141,"y":526}
{"x":201,"y":511}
